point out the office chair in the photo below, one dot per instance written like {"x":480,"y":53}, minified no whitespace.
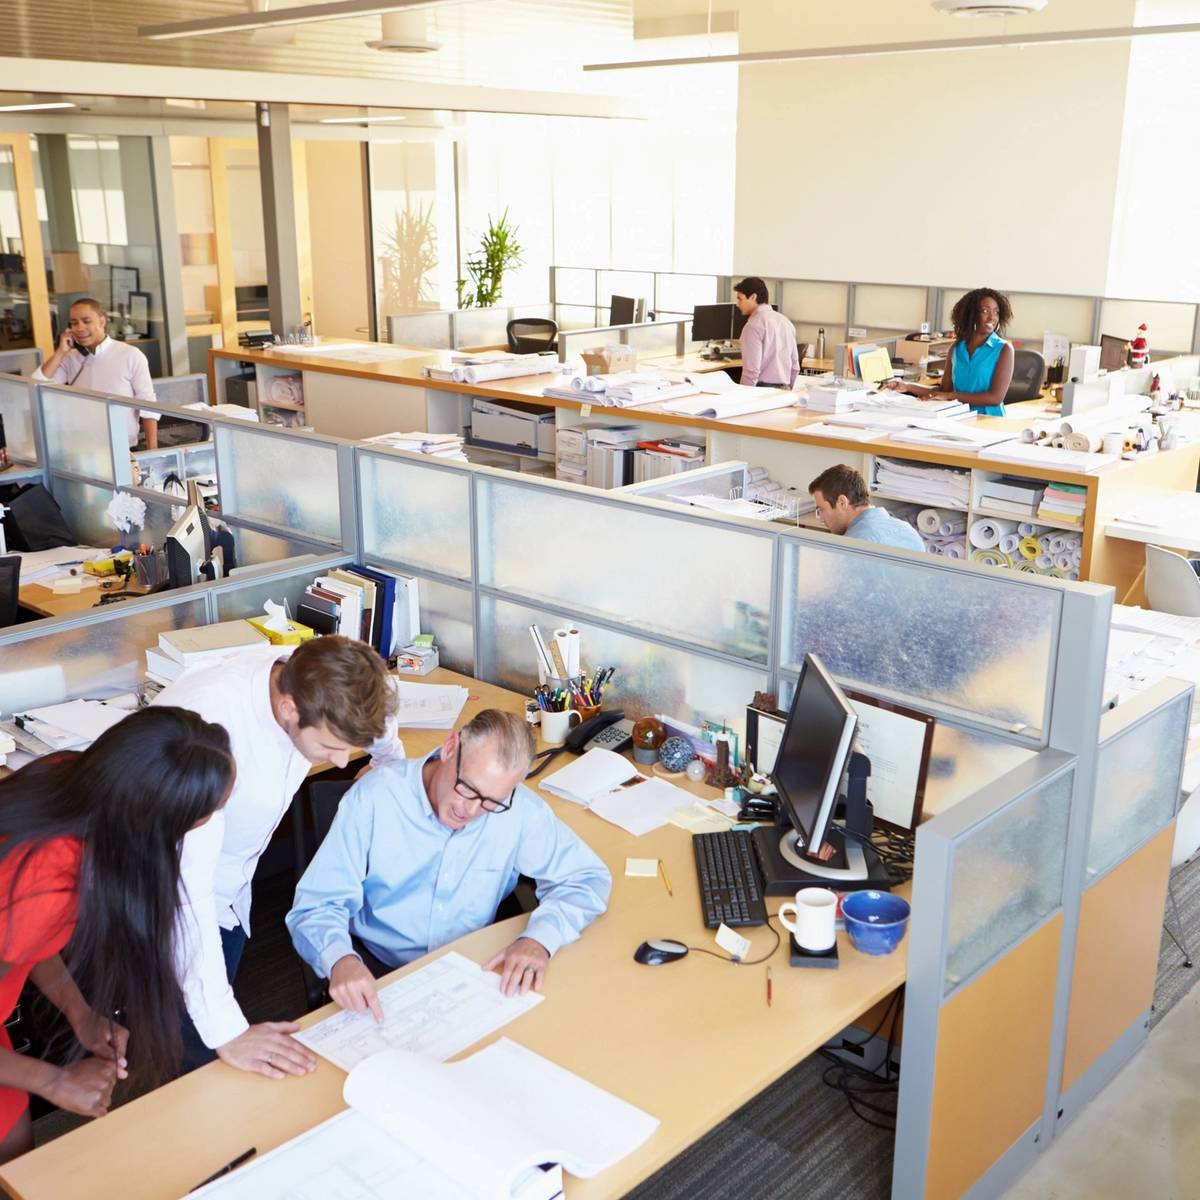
{"x":1029,"y":372}
{"x":532,"y":335}
{"x":10,"y":584}
{"x":1172,"y":585}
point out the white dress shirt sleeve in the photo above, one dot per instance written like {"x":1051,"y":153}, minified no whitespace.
{"x":389,"y":748}
{"x":199,"y":959}
{"x":58,"y":375}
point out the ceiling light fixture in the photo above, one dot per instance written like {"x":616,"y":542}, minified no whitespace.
{"x":1059,"y":37}
{"x":359,"y":120}
{"x":298,"y":15}
{"x":988,"y":8}
{"x":35,"y":107}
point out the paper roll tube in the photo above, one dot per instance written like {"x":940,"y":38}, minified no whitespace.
{"x":991,"y":558}
{"x":1063,"y":562}
{"x":1044,"y":562}
{"x":952,"y":526}
{"x":1029,"y":548}
{"x":1024,"y":564}
{"x":1026,"y":529}
{"x":1044,"y":542}
{"x":954,"y":550}
{"x":987,"y":532}
{"x":1058,"y":543}
{"x":1010,"y":544}
{"x":566,"y":641}
{"x":1073,"y":575}
{"x":573,"y":641}
{"x":928,"y":520}
{"x":932,"y":546}
{"x":1084,"y":441}
{"x":755,"y":474}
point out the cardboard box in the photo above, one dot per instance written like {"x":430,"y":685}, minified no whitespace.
{"x":571,"y":443}
{"x":530,"y":430}
{"x":913,"y":352}
{"x":605,"y":360}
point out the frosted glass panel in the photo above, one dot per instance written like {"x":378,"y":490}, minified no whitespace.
{"x":420,"y":329}
{"x":649,"y":678}
{"x":979,"y":645}
{"x":96,"y":661}
{"x":1137,"y":784}
{"x":574,"y":286}
{"x":84,"y":505}
{"x":481,"y":327}
{"x":77,"y":433}
{"x":16,"y":411}
{"x":638,"y":284}
{"x":1007,"y":877}
{"x":892,"y":307}
{"x":254,"y":547}
{"x":446,"y":613}
{"x":179,"y":390}
{"x":249,"y":599}
{"x":654,"y":339}
{"x":646,"y":570}
{"x":283,"y":481}
{"x":416,"y":515}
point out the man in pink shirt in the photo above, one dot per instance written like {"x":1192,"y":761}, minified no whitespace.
{"x":769,"y":355}
{"x":88,"y":358}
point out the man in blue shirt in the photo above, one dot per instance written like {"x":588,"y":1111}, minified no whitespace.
{"x":422,"y":851}
{"x":844,"y":506}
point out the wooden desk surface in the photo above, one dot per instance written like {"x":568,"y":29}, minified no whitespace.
{"x":46,"y":603}
{"x":689,"y":1042}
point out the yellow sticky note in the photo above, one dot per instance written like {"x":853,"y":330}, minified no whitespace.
{"x":641,"y":868}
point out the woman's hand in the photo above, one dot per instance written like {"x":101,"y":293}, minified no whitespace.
{"x":104,"y":1038}
{"x":84,"y":1087}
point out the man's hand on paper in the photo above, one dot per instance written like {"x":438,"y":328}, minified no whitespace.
{"x":268,"y":1049}
{"x":352,"y":987}
{"x":522,"y":966}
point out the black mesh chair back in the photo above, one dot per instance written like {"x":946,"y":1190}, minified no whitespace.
{"x":10,"y":585}
{"x":532,"y":335}
{"x":1029,"y":373}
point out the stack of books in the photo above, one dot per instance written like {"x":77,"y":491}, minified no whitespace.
{"x":441,"y":445}
{"x":376,"y":606}
{"x":1011,"y":496}
{"x":836,"y":396}
{"x":180,"y":649}
{"x":611,"y":452}
{"x":670,"y":456}
{"x":1063,"y":502}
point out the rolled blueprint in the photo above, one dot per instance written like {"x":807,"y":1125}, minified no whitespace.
{"x":1029,"y":548}
{"x":987,"y":532}
{"x":1044,"y":563}
{"x":990,"y":558}
{"x":955,"y":550}
{"x":1026,"y":529}
{"x":928,"y":520}
{"x":568,"y":647}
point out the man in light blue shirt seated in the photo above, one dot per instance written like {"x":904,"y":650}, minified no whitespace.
{"x":844,"y":506}
{"x":422,"y":851}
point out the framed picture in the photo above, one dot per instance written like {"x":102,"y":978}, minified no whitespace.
{"x":139,"y":313}
{"x":124,"y":281}
{"x":764,"y":732}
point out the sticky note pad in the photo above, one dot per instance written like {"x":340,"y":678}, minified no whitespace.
{"x":641,"y":868}
{"x":737,"y":945}
{"x":68,"y":586}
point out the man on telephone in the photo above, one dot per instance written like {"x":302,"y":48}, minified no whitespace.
{"x":87,"y":357}
{"x":422,"y":851}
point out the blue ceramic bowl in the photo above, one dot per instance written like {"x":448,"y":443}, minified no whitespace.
{"x":875,"y":921}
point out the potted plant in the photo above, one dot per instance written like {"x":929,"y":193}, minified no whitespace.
{"x":498,"y":251}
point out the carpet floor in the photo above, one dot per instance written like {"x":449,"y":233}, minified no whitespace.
{"x":797,"y":1140}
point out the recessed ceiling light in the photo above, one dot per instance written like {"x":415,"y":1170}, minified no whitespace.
{"x":358,"y":120}
{"x":35,"y":107}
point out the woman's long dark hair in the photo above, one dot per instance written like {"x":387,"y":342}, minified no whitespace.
{"x":129,"y":798}
{"x":965,"y":314}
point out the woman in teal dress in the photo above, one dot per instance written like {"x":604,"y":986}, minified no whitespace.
{"x":979,"y":367}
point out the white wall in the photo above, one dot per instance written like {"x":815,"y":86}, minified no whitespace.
{"x":996,"y":166}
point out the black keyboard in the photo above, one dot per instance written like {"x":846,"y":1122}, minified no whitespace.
{"x":730,"y":887}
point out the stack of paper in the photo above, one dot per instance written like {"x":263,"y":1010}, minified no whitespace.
{"x":1011,"y":496}
{"x":837,"y":396}
{"x":938,"y":486}
{"x":964,"y":437}
{"x":45,"y":566}
{"x":179,"y":650}
{"x":1146,"y":647}
{"x":733,"y":402}
{"x":1063,"y":502}
{"x":440,"y":445}
{"x":1040,"y":455}
{"x":641,"y":805}
{"x":622,"y":389}
{"x":595,"y":774}
{"x":73,"y":725}
{"x":429,"y":705}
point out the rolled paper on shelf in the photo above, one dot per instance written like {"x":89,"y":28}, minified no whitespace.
{"x":932,"y":545}
{"x":590,"y":383}
{"x":987,"y":532}
{"x":1044,"y":542}
{"x":756,"y":474}
{"x":1024,"y":564}
{"x":1010,"y":544}
{"x":1085,"y":441}
{"x":1073,"y":575}
{"x":1058,"y":543}
{"x":1044,"y":562}
{"x":1057,"y":573}
{"x":928,"y":520}
{"x":1029,"y":548}
{"x":1063,"y":562}
{"x":952,"y":526}
{"x":954,"y":550}
{"x":990,"y":558}
{"x":1026,"y":529}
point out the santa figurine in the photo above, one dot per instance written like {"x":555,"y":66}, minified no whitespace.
{"x":1140,"y":349}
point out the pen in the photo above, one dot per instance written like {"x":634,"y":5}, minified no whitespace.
{"x":662,"y":866}
{"x":769,"y":987}
{"x":245,"y":1156}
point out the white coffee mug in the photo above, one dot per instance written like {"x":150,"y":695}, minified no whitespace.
{"x":815,"y":911}
{"x":1112,"y":443}
{"x":555,"y":726}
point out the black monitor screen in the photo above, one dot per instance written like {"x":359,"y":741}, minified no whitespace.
{"x":621,"y":310}
{"x":712,"y":322}
{"x":1112,"y":352}
{"x":812,"y":755}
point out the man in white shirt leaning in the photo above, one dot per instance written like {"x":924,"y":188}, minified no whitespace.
{"x":87,"y":357}
{"x":330,"y":697}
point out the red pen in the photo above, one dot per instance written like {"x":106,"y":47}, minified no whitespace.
{"x":768,"y":987}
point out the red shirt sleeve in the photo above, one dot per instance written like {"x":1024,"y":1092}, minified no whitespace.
{"x":39,"y":899}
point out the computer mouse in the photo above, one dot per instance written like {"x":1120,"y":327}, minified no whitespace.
{"x":659,"y":950}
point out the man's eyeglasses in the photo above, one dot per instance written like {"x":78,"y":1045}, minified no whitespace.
{"x":467,"y":792}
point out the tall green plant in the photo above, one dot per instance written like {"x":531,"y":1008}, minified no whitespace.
{"x":498,"y":251}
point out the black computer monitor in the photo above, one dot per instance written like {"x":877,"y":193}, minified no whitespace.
{"x":739,"y":322}
{"x":1112,"y":352}
{"x":712,"y":322}
{"x":621,"y":310}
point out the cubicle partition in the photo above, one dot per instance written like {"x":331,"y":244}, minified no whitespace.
{"x":22,"y":427}
{"x":458,"y":329}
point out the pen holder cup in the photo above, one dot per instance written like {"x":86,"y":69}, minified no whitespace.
{"x":587,"y":711}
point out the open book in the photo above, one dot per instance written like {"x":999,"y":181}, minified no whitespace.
{"x":487,"y":1127}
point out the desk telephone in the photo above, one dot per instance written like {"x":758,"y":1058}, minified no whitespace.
{"x":606,"y":731}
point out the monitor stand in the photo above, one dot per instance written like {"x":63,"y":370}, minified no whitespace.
{"x":850,"y":867}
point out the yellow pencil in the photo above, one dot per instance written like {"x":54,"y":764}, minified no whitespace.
{"x":662,"y":867}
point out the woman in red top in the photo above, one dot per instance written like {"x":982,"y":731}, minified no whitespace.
{"x":89,"y":866}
